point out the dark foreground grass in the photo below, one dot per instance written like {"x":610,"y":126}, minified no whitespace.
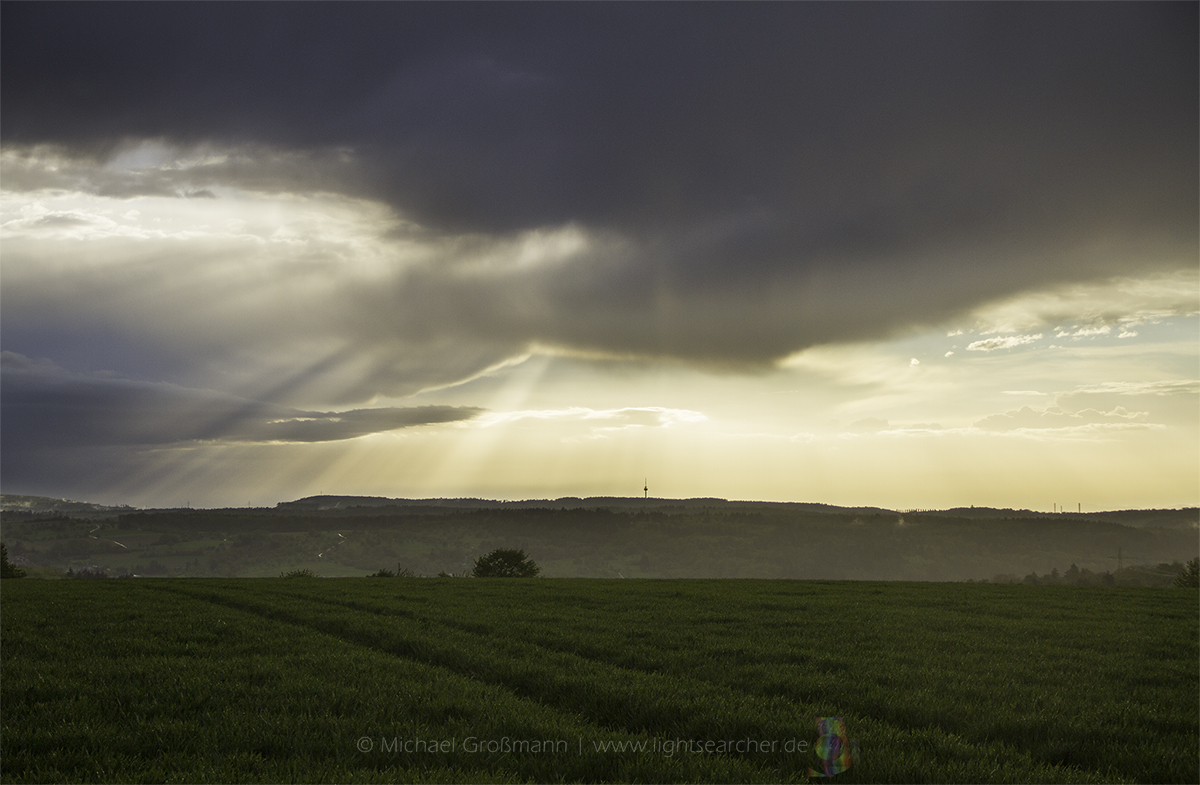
{"x":211,"y":680}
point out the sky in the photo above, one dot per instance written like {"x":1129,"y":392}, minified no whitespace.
{"x":905,"y":255}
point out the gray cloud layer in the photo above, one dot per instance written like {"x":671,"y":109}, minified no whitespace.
{"x":754,"y":179}
{"x":859,"y":124}
{"x":47,"y":407}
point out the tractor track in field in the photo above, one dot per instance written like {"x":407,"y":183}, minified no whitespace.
{"x":533,"y":686}
{"x":530,"y":687}
{"x":938,"y":683}
{"x":485,"y":633}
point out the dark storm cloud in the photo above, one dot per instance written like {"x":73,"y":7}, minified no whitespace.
{"x":760,"y":177}
{"x":513,"y":116}
{"x":46,"y":407}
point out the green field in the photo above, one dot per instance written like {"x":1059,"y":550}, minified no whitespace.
{"x":348,"y":680}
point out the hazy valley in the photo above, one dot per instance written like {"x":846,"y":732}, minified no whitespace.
{"x":601,"y":538}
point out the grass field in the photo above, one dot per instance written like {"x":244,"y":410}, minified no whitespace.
{"x":215,"y":680}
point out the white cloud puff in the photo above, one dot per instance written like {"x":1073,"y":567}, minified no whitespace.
{"x":1028,"y":417}
{"x":1119,"y":301}
{"x":1167,"y":387}
{"x":603,"y":419}
{"x":1006,"y":342}
{"x":1089,"y":332}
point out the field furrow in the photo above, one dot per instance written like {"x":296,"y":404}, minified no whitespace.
{"x":268,"y":680}
{"x":673,"y":704}
{"x":757,"y":643}
{"x":279,"y":698}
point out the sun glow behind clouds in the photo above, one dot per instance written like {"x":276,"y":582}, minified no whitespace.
{"x":330,"y":303}
{"x":615,"y":290}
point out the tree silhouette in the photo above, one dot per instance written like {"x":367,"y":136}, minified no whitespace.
{"x":505,"y":563}
{"x":7,"y":568}
{"x":1190,"y":577}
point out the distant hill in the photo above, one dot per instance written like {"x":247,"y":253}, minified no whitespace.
{"x":331,"y":503}
{"x":1185,"y":518}
{"x":604,"y":538}
{"x":44,"y":504}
